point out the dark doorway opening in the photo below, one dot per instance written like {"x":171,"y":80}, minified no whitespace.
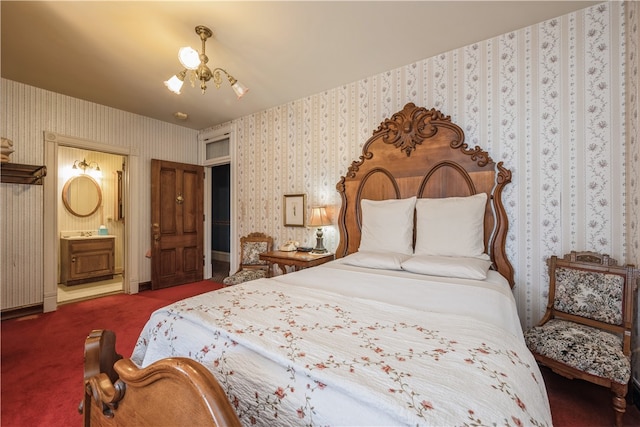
{"x":220,"y":221}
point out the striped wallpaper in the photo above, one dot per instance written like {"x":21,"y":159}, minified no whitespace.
{"x":27,"y":112}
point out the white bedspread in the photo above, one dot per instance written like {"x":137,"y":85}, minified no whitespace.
{"x":341,"y":345}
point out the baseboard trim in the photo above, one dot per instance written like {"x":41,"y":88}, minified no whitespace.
{"x":144,"y":286}
{"x":22,"y":311}
{"x":220,"y":256}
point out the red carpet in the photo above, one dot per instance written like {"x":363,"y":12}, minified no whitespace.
{"x":42,"y":362}
{"x":43,"y":355}
{"x":577,"y":403}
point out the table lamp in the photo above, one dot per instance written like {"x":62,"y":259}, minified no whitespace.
{"x":319,"y":219}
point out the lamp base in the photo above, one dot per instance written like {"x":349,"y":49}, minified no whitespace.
{"x":319,"y":249}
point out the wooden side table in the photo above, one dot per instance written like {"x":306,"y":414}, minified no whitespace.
{"x":295,"y":259}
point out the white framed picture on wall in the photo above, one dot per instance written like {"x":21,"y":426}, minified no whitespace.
{"x":294,"y":210}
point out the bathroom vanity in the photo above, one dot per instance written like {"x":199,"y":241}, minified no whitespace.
{"x":86,"y":259}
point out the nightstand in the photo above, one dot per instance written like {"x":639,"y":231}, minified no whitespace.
{"x":295,"y":259}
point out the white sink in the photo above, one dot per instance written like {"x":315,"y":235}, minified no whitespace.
{"x":93,"y":236}
{"x":84,"y":234}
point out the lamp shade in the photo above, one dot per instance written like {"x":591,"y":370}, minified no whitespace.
{"x":319,"y":217}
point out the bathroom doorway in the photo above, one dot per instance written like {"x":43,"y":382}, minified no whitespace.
{"x":90,"y":217}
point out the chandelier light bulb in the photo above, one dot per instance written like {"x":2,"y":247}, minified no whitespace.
{"x":239,"y":89}
{"x":174,"y":84}
{"x":189,"y":57}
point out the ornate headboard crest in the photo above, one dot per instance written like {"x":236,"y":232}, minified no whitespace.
{"x":409,"y":127}
{"x":420,"y":152}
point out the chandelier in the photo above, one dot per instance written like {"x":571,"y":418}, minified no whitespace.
{"x":195,"y":64}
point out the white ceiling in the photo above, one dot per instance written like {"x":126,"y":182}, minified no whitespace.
{"x":119,"y":53}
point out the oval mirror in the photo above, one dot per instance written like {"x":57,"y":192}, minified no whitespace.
{"x":81,"y":195}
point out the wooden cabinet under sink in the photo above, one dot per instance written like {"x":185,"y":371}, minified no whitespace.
{"x":86,"y":260}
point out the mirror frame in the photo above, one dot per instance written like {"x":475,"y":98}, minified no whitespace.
{"x":67,"y":202}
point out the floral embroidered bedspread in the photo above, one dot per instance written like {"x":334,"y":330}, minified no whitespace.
{"x":292,"y":356}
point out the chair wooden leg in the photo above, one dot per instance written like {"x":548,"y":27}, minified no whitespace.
{"x":619,"y":401}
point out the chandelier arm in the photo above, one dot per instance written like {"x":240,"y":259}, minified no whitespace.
{"x":231,"y":79}
{"x":217,"y":79}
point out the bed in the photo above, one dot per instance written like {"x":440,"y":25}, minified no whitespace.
{"x":414,"y":323}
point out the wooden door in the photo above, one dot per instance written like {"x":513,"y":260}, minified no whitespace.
{"x":177,"y":222}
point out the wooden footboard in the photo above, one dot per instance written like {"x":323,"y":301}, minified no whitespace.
{"x":171,"y":392}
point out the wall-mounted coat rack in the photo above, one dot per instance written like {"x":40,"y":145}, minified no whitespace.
{"x":14,"y":173}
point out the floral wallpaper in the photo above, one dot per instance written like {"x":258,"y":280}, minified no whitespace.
{"x":632,"y":170}
{"x":547,"y":100}
{"x":633,"y":135}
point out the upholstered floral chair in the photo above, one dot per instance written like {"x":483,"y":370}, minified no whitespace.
{"x":586,"y":330}
{"x":251,"y":266}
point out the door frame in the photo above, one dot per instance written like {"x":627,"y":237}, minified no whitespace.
{"x":205,"y":137}
{"x":130,"y":278}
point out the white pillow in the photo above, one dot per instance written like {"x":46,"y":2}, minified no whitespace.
{"x":387,"y":225}
{"x":381,"y":260}
{"x":460,"y":267}
{"x":452,"y":226}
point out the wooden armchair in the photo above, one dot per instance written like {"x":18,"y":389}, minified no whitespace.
{"x":586,"y":330}
{"x":251,"y":266}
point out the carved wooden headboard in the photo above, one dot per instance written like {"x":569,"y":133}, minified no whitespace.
{"x":420,"y":152}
